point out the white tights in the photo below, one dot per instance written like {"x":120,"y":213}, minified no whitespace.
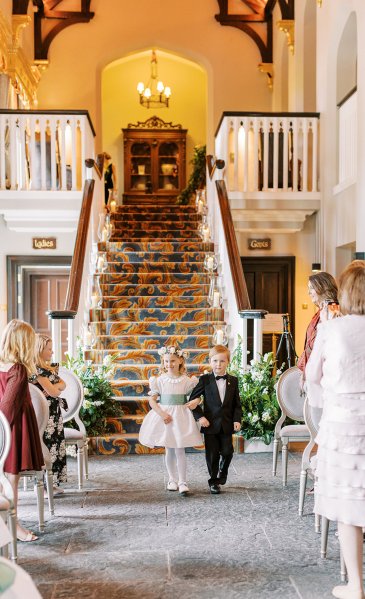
{"x":175,"y":460}
{"x":351,"y":541}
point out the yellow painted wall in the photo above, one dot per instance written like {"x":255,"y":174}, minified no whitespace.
{"x":79,"y":54}
{"x":120,"y":100}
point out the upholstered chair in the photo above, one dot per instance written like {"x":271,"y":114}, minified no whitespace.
{"x":7,"y":510}
{"x":74,"y":395}
{"x":312,"y":417}
{"x":41,"y":408}
{"x":291,"y":400}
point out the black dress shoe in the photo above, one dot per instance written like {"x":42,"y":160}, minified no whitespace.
{"x":215,"y":489}
{"x":222,"y":479}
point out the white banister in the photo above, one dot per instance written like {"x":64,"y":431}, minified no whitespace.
{"x":42,"y":150}
{"x":269,"y":152}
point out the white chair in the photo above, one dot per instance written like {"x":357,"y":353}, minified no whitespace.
{"x":7,"y":499}
{"x":41,"y":408}
{"x":74,"y":395}
{"x":312,"y":417}
{"x":291,"y":400}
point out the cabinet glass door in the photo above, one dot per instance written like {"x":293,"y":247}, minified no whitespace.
{"x":168,"y":166}
{"x":141,"y":171}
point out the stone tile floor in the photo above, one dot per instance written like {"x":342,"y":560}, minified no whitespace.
{"x":125,"y":537}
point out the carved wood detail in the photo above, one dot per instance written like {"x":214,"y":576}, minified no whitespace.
{"x":46,"y":10}
{"x":154,"y":122}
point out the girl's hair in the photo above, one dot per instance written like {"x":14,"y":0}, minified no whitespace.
{"x":41,"y":342}
{"x":17,"y":345}
{"x":352,"y":288}
{"x":325,"y":286}
{"x":182,"y":366}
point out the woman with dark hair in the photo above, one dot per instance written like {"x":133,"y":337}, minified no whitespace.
{"x":322,"y":289}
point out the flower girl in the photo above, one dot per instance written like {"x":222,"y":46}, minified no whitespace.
{"x":170,"y":423}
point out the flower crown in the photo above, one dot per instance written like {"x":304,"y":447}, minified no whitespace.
{"x":172,"y":349}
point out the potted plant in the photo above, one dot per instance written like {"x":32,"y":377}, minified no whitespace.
{"x":260,"y":409}
{"x":98,"y":402}
{"x":197,"y":179}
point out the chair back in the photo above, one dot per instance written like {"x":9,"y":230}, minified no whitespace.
{"x":5,"y":440}
{"x":312,"y":417}
{"x":40,"y":405}
{"x":289,"y":395}
{"x":74,"y":394}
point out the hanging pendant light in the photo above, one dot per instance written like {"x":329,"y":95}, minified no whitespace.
{"x":155,"y":94}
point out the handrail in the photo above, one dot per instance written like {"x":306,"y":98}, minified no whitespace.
{"x":97,"y":164}
{"x":239,"y":283}
{"x":51,"y":113}
{"x":233,"y":113}
{"x":78,"y":258}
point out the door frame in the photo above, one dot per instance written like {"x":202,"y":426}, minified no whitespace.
{"x":19,"y":269}
{"x":285,"y":260}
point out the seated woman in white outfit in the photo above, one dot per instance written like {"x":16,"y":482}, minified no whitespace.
{"x":335,"y":377}
{"x":170,"y":423}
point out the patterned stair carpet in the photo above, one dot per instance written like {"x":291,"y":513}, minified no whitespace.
{"x":155,"y":292}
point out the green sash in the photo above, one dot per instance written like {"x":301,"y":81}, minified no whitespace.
{"x":7,"y":577}
{"x":170,"y":399}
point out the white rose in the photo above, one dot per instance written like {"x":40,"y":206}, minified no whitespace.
{"x":254,"y":419}
{"x":107,"y":360}
{"x":86,"y":391}
{"x":86,"y":404}
{"x":265,"y":416}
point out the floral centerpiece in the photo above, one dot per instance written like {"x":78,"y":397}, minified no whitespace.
{"x":257,"y":386}
{"x":98,"y":403}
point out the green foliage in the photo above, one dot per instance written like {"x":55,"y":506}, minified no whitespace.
{"x":257,"y":387}
{"x":98,"y":404}
{"x":197,"y":178}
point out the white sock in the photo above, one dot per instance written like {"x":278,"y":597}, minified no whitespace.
{"x":170,"y":461}
{"x":181,"y":464}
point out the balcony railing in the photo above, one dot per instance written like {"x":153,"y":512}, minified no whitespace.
{"x":44,"y":150}
{"x":269,"y":153}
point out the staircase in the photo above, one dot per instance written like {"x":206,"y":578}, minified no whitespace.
{"x":154,"y":293}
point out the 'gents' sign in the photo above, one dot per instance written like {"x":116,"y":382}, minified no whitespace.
{"x":44,"y":243}
{"x":259,"y":244}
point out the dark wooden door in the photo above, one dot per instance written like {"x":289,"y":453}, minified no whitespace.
{"x":270,"y":286}
{"x":46,"y":291}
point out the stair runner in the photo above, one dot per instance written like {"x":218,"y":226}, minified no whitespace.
{"x":155,"y":293}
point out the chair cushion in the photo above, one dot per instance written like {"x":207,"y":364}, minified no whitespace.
{"x":73,"y":434}
{"x":295,"y":430}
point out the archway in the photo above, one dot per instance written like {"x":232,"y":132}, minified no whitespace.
{"x":309,"y":56}
{"x":120,"y":100}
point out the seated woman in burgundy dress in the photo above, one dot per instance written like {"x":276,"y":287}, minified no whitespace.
{"x":16,"y":366}
{"x":322,"y":289}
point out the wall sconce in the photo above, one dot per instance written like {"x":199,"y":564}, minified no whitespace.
{"x":316,"y":267}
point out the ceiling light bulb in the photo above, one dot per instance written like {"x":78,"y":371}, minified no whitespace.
{"x":140,"y":87}
{"x":167,"y":92}
{"x":160,"y":87}
{"x":147,"y":93}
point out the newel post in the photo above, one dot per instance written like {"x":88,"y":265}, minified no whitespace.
{"x":56,"y":317}
{"x":257,"y":316}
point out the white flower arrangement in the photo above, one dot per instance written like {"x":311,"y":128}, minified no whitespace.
{"x":172,"y":349}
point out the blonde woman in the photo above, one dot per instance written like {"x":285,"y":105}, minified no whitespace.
{"x":16,"y":366}
{"x":52,"y":386}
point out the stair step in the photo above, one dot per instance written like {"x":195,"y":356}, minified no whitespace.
{"x":155,"y":278}
{"x":120,"y":290}
{"x":155,"y":257}
{"x":148,"y":207}
{"x":156,"y":225}
{"x":150,"y":356}
{"x":140,"y":372}
{"x":126,"y":424}
{"x":152,"y":267}
{"x":156,"y":314}
{"x":155,"y":342}
{"x":156,"y":217}
{"x":153,"y":328}
{"x":156,"y":246}
{"x":127,"y":444}
{"x":153,"y":234}
{"x":197,"y":301}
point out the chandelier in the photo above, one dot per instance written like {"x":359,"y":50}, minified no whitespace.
{"x":154,"y":94}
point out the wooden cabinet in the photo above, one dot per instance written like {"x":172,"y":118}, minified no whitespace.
{"x":154,"y":161}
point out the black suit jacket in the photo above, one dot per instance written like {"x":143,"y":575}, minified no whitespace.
{"x":220,"y":415}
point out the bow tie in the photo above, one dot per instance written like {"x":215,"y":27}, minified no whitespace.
{"x":224,"y":377}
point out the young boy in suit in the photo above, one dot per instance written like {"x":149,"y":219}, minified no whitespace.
{"x":220,"y":416}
